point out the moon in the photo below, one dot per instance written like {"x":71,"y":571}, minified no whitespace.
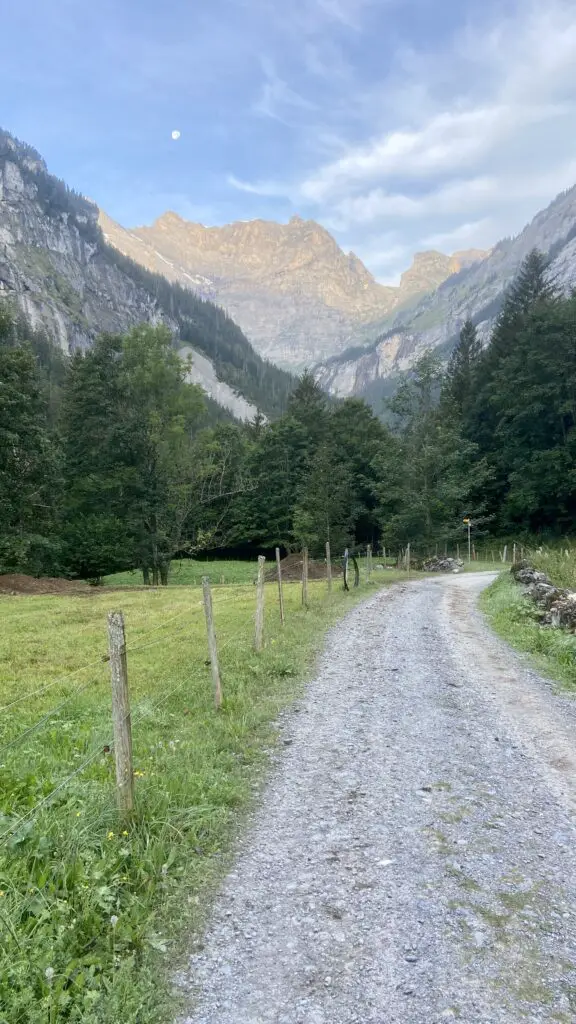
{"x":175,"y":134}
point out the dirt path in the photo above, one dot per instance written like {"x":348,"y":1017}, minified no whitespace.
{"x":414,"y":856}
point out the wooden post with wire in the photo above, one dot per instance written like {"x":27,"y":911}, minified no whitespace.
{"x":369,"y":561}
{"x":514,"y":554}
{"x":212,"y":648}
{"x":328,"y":567}
{"x":121,"y":722}
{"x":408,"y":558}
{"x":305,"y":577}
{"x":280,"y":594}
{"x":259,"y":628}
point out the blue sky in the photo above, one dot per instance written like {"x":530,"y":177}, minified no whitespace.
{"x":398,"y":124}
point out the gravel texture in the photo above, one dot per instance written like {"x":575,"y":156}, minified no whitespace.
{"x":413,"y":857}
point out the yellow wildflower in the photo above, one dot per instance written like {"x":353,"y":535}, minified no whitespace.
{"x":110,"y":835}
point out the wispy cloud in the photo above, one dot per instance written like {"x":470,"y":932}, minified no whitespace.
{"x":481,"y":123}
{"x":277,"y":96}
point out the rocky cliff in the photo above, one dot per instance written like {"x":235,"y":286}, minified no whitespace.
{"x":476,"y":291}
{"x":296,"y":294}
{"x":56,"y":265}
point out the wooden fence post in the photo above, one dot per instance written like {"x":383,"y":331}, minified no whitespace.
{"x":121,"y":714}
{"x":514,"y":554}
{"x":384,"y":556}
{"x":408,"y":559}
{"x":345,"y":565}
{"x":328,"y":567}
{"x":505,"y":554}
{"x":369,"y":561}
{"x":305,"y":577}
{"x":212,"y":648}
{"x":259,"y":630}
{"x":280,"y":594}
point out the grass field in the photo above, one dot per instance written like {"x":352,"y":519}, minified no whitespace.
{"x":513,"y":616}
{"x":94,"y":913}
{"x":189,"y":572}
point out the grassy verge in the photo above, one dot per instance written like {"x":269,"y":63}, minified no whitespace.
{"x":514,"y":617}
{"x":558,"y":563}
{"x":94,"y":912}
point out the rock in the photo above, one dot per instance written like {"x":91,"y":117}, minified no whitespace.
{"x":444,"y":564}
{"x":563,"y":612}
{"x":545,"y":594}
{"x":525,"y":574}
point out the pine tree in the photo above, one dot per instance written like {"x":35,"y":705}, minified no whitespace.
{"x":459,"y":382}
{"x":28,"y":465}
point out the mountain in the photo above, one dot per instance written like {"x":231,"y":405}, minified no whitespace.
{"x":57,"y":267}
{"x":298,"y":297}
{"x":476,"y":291}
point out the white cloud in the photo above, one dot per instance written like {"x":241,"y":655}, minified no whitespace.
{"x":448,"y":142}
{"x":462,"y":141}
{"x":457,"y":197}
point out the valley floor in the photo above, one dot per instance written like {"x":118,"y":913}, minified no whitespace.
{"x":414,"y":855}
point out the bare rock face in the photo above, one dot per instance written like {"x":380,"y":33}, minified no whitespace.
{"x":430,"y":269}
{"x":298,"y":297}
{"x":56,"y":269}
{"x":475,"y":288}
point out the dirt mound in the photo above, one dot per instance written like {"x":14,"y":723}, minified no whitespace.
{"x":292,"y":569}
{"x":18,"y":583}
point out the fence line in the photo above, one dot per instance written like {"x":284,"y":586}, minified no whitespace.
{"x":117,"y":658}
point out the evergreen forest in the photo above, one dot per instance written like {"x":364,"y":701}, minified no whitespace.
{"x":110,"y":460}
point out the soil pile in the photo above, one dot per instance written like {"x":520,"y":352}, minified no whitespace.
{"x":18,"y":583}
{"x":292,"y":569}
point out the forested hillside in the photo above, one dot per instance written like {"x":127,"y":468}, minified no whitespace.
{"x":57,"y":267}
{"x":106,"y":461}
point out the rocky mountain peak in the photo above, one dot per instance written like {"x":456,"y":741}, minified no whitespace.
{"x":290,"y":286}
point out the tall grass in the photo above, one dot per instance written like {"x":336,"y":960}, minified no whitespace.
{"x":559,"y":563}
{"x":94,"y":912}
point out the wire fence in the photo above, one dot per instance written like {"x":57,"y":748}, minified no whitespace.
{"x":115,"y":735}
{"x":112,"y":734}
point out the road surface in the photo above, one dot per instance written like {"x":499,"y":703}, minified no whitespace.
{"x":413,"y":858}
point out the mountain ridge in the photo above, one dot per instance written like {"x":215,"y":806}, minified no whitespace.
{"x":476,"y":292}
{"x":297,"y":295}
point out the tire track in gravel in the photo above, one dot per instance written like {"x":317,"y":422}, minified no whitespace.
{"x":413,"y":858}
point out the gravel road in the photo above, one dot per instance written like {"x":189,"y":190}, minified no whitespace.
{"x":413,"y":857}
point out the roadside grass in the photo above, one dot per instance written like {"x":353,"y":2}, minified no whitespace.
{"x":94,"y":912}
{"x":558,"y":563}
{"x":514,"y":617}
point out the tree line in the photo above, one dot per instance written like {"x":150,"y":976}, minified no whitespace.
{"x":109,"y":461}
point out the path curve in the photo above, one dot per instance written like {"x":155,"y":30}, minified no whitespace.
{"x":413,"y":858}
